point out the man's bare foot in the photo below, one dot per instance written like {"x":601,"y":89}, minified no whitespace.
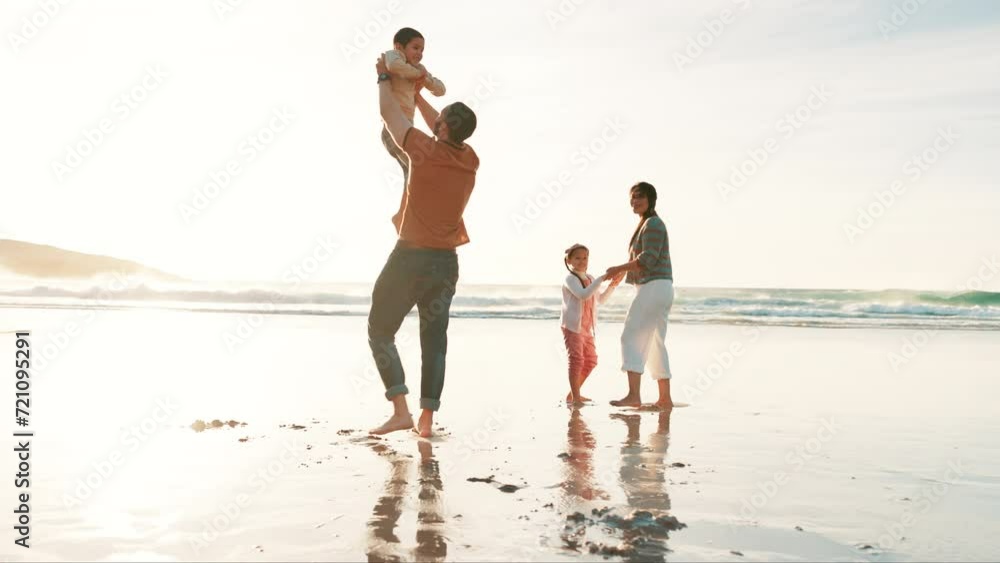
{"x":425,"y":424}
{"x":394,"y":424}
{"x":664,"y":405}
{"x":628,"y":401}
{"x":569,"y":399}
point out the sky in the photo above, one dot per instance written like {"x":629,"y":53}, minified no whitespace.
{"x":867,"y":132}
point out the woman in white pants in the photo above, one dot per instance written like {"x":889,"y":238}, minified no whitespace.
{"x":644,"y":339}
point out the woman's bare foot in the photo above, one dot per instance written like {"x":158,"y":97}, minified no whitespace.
{"x":395,"y":423}
{"x":627,"y":401}
{"x":664,"y":405}
{"x":569,"y":399}
{"x":425,"y":424}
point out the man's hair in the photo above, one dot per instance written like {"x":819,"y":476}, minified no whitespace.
{"x":461,"y":121}
{"x":405,"y":35}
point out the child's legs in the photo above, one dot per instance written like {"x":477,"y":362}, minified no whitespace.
{"x":404,"y":163}
{"x":575,"y":353}
{"x":589,"y":358}
{"x":396,"y":153}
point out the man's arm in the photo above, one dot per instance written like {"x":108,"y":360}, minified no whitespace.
{"x":395,"y":120}
{"x":428,"y":112}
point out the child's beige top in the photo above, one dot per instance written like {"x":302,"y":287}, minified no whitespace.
{"x":404,"y":75}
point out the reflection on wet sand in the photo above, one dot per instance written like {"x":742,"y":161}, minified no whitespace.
{"x":639,"y":530}
{"x":383,"y":544}
{"x":579,"y":481}
{"x":643,"y":479}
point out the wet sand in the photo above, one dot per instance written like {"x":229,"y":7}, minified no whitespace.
{"x":807,"y":444}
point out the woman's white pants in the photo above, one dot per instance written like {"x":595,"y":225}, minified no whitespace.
{"x":644,"y":340}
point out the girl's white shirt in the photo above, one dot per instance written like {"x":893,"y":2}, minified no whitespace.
{"x":574,"y":295}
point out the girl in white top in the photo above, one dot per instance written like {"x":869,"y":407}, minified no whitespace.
{"x":581,"y":292}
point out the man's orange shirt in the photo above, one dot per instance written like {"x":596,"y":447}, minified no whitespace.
{"x":441,"y":181}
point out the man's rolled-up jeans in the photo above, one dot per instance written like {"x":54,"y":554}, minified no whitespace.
{"x":425,"y":278}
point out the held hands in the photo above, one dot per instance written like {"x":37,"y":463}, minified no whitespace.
{"x":380,"y":66}
{"x":614,"y":274}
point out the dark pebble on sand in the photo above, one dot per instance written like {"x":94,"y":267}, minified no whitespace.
{"x":670,"y":523}
{"x":563,"y":456}
{"x":866,"y":547}
{"x":678,"y":464}
{"x":509,"y":489}
{"x":577,"y":517}
{"x":549,"y":505}
{"x":480,"y":479}
{"x":799,"y":528}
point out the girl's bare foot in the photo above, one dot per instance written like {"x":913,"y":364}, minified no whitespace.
{"x":425,"y":424}
{"x":627,"y":401}
{"x":395,"y":423}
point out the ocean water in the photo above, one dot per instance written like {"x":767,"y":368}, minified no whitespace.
{"x":972,"y":310}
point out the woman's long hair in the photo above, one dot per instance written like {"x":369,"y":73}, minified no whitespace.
{"x":569,"y":254}
{"x":645,"y":189}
